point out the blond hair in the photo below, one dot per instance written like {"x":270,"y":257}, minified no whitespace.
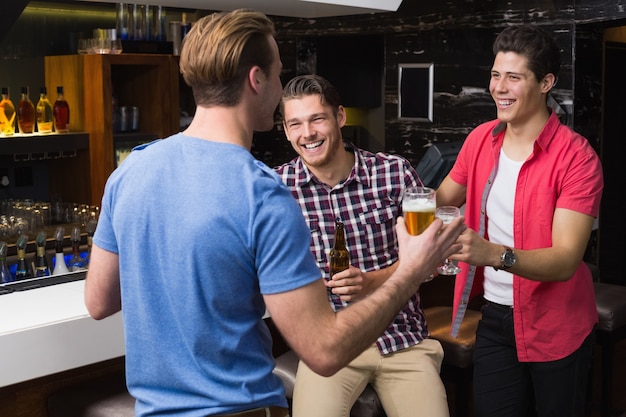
{"x":220,"y":49}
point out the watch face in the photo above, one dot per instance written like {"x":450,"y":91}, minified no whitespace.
{"x":508,"y":258}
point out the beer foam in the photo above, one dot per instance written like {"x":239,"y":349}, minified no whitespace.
{"x":418,"y":205}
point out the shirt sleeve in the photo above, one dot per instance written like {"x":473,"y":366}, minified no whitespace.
{"x":583,"y":181}
{"x":284,"y":258}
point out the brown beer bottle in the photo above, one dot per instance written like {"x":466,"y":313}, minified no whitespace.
{"x":339,"y":257}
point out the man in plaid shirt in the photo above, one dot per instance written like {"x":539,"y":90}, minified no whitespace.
{"x":334,"y":180}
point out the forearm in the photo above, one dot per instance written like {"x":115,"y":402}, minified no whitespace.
{"x":557,"y":261}
{"x":376,"y":278}
{"x":102,"y":285}
{"x":342,"y":336}
{"x":547,"y":264}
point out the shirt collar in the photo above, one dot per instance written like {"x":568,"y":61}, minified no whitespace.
{"x":544,"y":138}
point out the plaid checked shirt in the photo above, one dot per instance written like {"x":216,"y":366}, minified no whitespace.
{"x":368,"y":202}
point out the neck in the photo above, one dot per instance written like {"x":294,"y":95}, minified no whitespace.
{"x":519,"y":140}
{"x":336,"y":170}
{"x":221,"y":124}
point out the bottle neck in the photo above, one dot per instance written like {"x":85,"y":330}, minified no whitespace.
{"x":340,"y":238}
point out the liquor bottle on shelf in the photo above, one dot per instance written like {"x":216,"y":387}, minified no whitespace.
{"x":7,"y":114}
{"x":25,"y":113}
{"x":339,"y":256}
{"x":185,"y":26}
{"x":60,"y":267}
{"x":41,"y":263}
{"x":22,"y":271}
{"x":61,"y":112}
{"x":76,"y":263}
{"x":44,"y":112}
{"x":5,"y":274}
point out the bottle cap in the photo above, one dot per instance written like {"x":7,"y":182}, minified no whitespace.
{"x":43,"y":90}
{"x":60,"y":89}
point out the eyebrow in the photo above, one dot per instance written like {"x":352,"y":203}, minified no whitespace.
{"x":521,"y":74}
{"x":309,"y":117}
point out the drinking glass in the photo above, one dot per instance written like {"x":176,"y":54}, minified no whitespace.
{"x":101,"y":45}
{"x":447,"y":214}
{"x":83,"y":46}
{"x":418,"y":207}
{"x":116,"y":46}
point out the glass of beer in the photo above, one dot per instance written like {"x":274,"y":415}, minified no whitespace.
{"x":418,"y":207}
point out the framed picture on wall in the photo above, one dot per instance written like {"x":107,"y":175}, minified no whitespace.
{"x":415,"y":92}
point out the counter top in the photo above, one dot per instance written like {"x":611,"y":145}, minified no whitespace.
{"x":48,"y":330}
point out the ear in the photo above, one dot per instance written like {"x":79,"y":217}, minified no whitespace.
{"x":255,"y":78}
{"x":548,"y":83}
{"x":341,"y":116}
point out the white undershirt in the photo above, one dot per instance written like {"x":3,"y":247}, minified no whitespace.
{"x":499,"y":284}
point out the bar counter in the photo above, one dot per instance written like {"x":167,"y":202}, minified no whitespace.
{"x":48,"y":330}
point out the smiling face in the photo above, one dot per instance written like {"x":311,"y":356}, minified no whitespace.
{"x":314,"y":129}
{"x":518,"y":95}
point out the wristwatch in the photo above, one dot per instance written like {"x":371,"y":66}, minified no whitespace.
{"x":507,"y":259}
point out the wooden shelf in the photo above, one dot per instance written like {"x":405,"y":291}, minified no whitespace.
{"x":148,"y":81}
{"x":44,"y":144}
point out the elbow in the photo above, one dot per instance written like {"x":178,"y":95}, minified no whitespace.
{"x":98,"y":311}
{"x":569,"y":271}
{"x":97,"y":315}
{"x":324,"y":364}
{"x":564,"y":273}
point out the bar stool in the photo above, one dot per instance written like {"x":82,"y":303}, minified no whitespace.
{"x":458,"y":351}
{"x":611,"y":329}
{"x":105,"y":397}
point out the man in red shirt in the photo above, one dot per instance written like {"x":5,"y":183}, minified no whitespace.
{"x":531,"y":188}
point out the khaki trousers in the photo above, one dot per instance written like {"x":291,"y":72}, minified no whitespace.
{"x":407,"y":382}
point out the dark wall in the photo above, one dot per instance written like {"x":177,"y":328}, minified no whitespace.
{"x":457,"y":37}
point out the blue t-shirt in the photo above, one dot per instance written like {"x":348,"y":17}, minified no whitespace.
{"x":202,"y":229}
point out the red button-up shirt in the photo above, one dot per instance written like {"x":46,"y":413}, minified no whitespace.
{"x":551,"y":319}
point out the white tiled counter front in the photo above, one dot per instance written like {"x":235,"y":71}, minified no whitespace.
{"x":48,"y":330}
